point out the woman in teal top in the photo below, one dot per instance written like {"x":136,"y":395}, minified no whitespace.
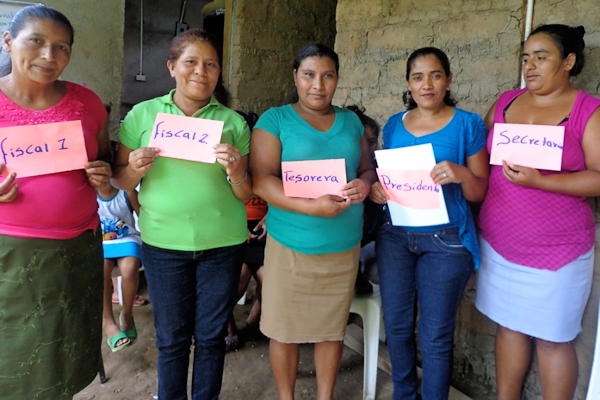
{"x":313,"y":246}
{"x":192,"y":221}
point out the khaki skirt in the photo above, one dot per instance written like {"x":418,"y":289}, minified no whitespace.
{"x":50,"y":315}
{"x":306,"y":297}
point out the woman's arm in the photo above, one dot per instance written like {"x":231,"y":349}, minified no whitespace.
{"x":132,"y":165}
{"x":265,"y":167}
{"x":98,"y":172}
{"x":489,"y":117}
{"x":104,"y":149}
{"x":358,"y":189}
{"x":237,"y":170}
{"x":473,"y":178}
{"x":132,"y":196}
{"x":582,"y":183}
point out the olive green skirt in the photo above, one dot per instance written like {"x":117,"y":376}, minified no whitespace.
{"x":50,"y":315}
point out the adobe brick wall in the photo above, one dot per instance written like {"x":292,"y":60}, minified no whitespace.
{"x":265,"y":37}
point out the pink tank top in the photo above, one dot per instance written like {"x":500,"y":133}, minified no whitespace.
{"x":61,"y":205}
{"x":533,"y":227}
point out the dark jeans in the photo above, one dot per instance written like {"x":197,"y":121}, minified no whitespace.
{"x":432,"y":268}
{"x":192,"y":294}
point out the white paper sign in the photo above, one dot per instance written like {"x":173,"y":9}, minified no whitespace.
{"x":412,"y":158}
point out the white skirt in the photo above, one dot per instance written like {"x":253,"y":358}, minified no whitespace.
{"x":540,"y":303}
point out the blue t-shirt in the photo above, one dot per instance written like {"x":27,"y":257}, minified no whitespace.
{"x":301,"y":142}
{"x":446,"y":147}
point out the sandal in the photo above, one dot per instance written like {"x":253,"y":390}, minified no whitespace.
{"x":131,"y":333}
{"x":232,"y":343}
{"x":112,"y":342}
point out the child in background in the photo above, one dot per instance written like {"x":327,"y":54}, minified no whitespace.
{"x":367,"y":269}
{"x":256,"y":211}
{"x":122,"y":248}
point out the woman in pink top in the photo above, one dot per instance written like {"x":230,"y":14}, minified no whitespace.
{"x":537,"y":230}
{"x":50,"y":247}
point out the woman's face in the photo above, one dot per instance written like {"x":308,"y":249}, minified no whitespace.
{"x":196,"y":71}
{"x":40,"y":51}
{"x":428,"y":82}
{"x":543,"y":65}
{"x":316,"y":80}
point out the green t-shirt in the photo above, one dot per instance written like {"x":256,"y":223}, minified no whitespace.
{"x":299,"y":142}
{"x":187,"y":205}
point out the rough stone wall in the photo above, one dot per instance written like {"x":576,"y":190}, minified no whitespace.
{"x":97,"y":55}
{"x":264,"y":37}
{"x":482,"y":38}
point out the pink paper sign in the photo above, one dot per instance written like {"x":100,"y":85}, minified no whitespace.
{"x":187,"y":138}
{"x":31,"y":150}
{"x":534,"y":146}
{"x":312,"y":179}
{"x":411,"y":188}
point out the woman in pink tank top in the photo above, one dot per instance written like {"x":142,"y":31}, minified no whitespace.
{"x":50,"y":249}
{"x":537,"y":230}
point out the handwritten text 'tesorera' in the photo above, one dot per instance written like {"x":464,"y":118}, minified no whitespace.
{"x":289,"y":176}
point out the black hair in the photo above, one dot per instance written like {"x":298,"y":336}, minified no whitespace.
{"x":569,"y":40}
{"x":39,"y":11}
{"x":221,"y":93}
{"x":409,"y":102}
{"x":312,"y":50}
{"x":181,"y":41}
{"x":365,"y":119}
{"x":36,"y":11}
{"x":250,"y":117}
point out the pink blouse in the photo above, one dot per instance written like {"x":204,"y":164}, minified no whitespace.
{"x":534,"y":227}
{"x":61,"y":205}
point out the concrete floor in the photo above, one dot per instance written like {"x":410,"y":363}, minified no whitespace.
{"x":247,"y":376}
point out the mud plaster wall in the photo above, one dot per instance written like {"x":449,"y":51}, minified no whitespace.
{"x":96,"y":60}
{"x":264,"y":37}
{"x":482,"y":39}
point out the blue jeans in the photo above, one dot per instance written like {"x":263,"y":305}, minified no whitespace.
{"x":192,"y":295}
{"x":432,"y":268}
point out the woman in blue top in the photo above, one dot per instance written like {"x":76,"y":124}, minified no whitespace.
{"x":313,"y":245}
{"x":430,"y":264}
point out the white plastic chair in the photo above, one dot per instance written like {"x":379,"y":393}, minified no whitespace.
{"x":369,"y":309}
{"x":120,"y":285}
{"x":594,"y":385}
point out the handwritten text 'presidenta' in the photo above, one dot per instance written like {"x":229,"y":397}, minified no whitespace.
{"x":408,"y":187}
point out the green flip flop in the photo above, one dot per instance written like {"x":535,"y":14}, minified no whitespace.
{"x":112,"y":342}
{"x":131,"y":334}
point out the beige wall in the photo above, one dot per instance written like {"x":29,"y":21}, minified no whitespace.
{"x":97,"y":59}
{"x":482,"y":38}
{"x":262,"y":38}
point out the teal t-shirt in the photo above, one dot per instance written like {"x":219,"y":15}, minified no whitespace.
{"x":187,"y":205}
{"x":301,"y":142}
